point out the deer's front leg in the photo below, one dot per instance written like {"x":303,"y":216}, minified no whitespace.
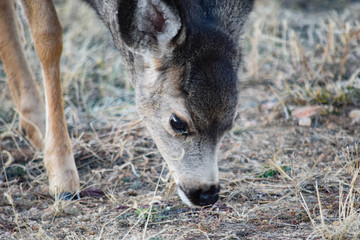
{"x":47,"y":35}
{"x":24,"y":89}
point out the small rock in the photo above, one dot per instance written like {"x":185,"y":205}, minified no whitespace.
{"x":305,"y":122}
{"x":331,"y":126}
{"x":306,"y":112}
{"x":269,"y":105}
{"x":250,"y":124}
{"x":34,"y":213}
{"x":48,"y":214}
{"x":355,"y":116}
{"x":336,"y":224}
{"x":72,"y":210}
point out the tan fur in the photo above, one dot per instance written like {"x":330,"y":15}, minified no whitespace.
{"x":47,"y":35}
{"x":24,"y":89}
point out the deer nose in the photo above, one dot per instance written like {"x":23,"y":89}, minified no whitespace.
{"x":204,"y":196}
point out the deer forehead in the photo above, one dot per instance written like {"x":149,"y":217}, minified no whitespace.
{"x":205,"y":93}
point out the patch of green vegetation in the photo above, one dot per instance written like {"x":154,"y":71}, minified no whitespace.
{"x":144,"y":213}
{"x":136,"y":185}
{"x":337,"y":96}
{"x":14,"y":172}
{"x":126,"y":179}
{"x":269,"y":172}
{"x":157,"y":213}
{"x":124,"y":216}
{"x":238,"y":131}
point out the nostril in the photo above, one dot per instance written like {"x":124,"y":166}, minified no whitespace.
{"x":209,"y":196}
{"x":204,"y":196}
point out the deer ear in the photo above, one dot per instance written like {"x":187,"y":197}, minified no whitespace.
{"x":149,"y":26}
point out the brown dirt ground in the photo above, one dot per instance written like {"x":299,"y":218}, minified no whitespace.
{"x":120,"y":166}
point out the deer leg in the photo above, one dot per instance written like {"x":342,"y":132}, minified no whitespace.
{"x":47,"y":35}
{"x":23,"y":87}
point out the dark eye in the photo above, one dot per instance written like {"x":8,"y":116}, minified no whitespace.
{"x":179,"y":125}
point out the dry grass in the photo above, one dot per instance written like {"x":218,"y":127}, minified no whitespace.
{"x":315,"y":55}
{"x":347,"y":225}
{"x":279,"y":180}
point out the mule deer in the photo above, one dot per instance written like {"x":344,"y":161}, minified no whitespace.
{"x":182,"y":56}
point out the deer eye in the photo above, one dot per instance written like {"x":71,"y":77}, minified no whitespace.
{"x":179,"y":125}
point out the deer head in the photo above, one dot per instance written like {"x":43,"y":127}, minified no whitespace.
{"x":183,"y":57}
